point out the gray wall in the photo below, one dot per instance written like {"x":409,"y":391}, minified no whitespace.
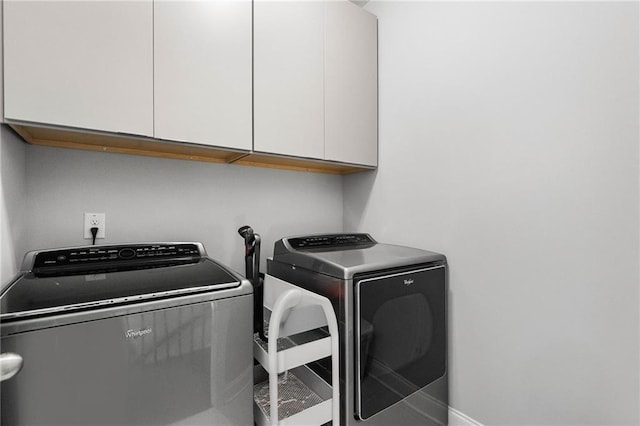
{"x":509,"y":141}
{"x":13,"y":225}
{"x":153,"y":199}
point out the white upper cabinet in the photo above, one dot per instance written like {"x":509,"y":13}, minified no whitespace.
{"x":351,"y":84}
{"x":284,"y":83}
{"x":315,"y":80}
{"x":85,"y":64}
{"x":289,"y":78}
{"x":202,"y":66}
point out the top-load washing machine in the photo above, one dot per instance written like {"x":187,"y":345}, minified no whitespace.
{"x":391,"y":306}
{"x":127,"y":334}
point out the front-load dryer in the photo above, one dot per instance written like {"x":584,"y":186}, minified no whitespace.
{"x":391,"y":305}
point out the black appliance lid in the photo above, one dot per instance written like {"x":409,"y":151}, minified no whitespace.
{"x":57,"y":288}
{"x":344,"y":255}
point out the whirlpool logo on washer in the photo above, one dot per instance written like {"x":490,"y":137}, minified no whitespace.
{"x":134,"y":334}
{"x":408,"y":282}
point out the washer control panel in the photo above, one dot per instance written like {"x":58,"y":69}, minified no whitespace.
{"x":80,"y":256}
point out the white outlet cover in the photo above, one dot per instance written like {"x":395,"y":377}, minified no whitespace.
{"x":91,"y":220}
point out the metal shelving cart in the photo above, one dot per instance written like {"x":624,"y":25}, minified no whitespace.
{"x":302,"y":328}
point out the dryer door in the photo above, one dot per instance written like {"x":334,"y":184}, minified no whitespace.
{"x":401,"y":328}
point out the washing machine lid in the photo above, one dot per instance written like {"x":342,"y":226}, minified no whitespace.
{"x":81,"y":278}
{"x":344,"y":255}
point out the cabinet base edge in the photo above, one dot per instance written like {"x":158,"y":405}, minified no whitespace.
{"x":61,"y":137}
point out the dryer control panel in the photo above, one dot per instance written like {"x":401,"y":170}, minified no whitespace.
{"x":342,"y":241}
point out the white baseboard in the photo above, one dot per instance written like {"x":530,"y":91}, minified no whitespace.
{"x":456,"y":418}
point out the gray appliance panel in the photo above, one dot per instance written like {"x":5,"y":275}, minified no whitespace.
{"x":189,"y":364}
{"x":22,"y":325}
{"x":346,"y":263}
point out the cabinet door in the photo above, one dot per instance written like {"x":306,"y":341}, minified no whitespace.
{"x":288,"y":78}
{"x":203,"y":72}
{"x":351,"y":84}
{"x":86,"y":64}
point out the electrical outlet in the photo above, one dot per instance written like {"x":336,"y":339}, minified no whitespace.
{"x":92,"y":220}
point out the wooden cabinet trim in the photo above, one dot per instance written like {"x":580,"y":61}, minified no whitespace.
{"x":128,"y":144}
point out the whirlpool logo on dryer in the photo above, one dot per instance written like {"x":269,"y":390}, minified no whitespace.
{"x":134,"y":334}
{"x":408,"y":282}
